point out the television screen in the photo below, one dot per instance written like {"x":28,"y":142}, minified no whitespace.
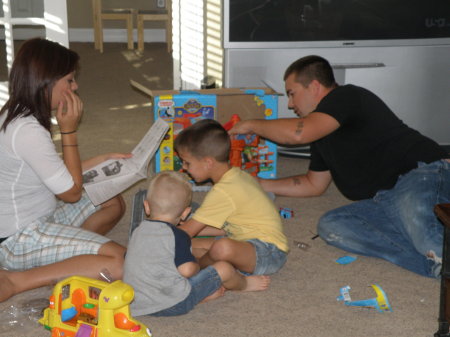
{"x":346,"y":21}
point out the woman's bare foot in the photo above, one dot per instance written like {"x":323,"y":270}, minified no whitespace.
{"x":6,"y":286}
{"x":256,"y":283}
{"x":218,"y":293}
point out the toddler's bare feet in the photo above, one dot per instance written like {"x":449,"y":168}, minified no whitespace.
{"x":6,"y":286}
{"x":257,"y":283}
{"x":218,"y":293}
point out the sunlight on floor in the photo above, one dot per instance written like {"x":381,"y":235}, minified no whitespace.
{"x":131,"y":55}
{"x":131,"y":106}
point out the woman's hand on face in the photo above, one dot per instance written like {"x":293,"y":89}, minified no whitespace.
{"x":69,"y":116}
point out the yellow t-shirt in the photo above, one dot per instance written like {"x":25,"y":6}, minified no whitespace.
{"x":238,"y":204}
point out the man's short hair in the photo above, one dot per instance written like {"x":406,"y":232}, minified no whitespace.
{"x":205,"y":138}
{"x":169,"y":193}
{"x":309,"y":68}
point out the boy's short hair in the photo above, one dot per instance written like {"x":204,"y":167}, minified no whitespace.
{"x":205,"y":138}
{"x":169,"y":193}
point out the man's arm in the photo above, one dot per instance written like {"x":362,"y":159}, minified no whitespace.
{"x":313,"y":183}
{"x":289,"y":130}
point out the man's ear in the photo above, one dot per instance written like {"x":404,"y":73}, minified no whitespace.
{"x":315,"y":85}
{"x":185,"y":213}
{"x":147,"y":208}
{"x":318,"y":89}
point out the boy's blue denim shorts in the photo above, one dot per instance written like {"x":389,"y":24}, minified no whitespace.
{"x":203,"y":284}
{"x":269,"y":258}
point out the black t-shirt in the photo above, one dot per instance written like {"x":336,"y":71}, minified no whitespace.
{"x":371,"y":148}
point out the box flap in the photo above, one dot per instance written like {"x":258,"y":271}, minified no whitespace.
{"x":219,"y":91}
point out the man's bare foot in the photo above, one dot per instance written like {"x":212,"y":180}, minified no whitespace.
{"x":6,"y":286}
{"x":218,"y":293}
{"x":257,"y":283}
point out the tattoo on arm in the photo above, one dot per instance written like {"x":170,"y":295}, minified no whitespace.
{"x":296,"y":181}
{"x":299,"y":128}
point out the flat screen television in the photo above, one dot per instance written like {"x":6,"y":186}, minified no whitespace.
{"x":335,"y":23}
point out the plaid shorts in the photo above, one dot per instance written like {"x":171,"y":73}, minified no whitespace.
{"x":53,"y":238}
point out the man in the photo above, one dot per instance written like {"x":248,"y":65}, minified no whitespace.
{"x":396,"y":174}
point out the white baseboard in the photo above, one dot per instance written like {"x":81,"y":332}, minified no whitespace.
{"x":87,"y":34}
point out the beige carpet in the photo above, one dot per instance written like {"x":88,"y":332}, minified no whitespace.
{"x":302,"y":297}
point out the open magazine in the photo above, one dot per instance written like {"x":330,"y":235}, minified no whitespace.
{"x":112,"y":177}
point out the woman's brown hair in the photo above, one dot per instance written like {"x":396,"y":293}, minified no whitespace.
{"x":39,"y":63}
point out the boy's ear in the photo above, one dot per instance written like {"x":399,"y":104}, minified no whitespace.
{"x":147,"y":208}
{"x":209,"y":161}
{"x":185,"y":213}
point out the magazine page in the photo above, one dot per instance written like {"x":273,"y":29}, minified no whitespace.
{"x":112,"y":177}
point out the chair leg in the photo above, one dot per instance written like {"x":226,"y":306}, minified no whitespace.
{"x":140,"y":33}
{"x":100,"y":35}
{"x":169,"y":35}
{"x":130,"y":32}
{"x":96,"y":19}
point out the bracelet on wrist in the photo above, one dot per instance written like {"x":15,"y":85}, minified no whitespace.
{"x":68,"y":133}
{"x":69,"y":145}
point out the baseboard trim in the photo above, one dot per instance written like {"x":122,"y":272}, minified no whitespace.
{"x":87,"y":34}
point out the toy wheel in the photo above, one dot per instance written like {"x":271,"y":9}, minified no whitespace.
{"x":56,"y":332}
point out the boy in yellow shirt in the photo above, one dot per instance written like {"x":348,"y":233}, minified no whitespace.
{"x":236,"y":208}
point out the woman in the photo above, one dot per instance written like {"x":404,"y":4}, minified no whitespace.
{"x":44,"y":237}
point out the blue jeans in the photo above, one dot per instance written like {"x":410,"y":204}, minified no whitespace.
{"x":203,"y":284}
{"x":398,"y":225}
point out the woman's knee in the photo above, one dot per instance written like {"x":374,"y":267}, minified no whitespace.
{"x":116,"y":254}
{"x":116,"y":206}
{"x":113,"y":249}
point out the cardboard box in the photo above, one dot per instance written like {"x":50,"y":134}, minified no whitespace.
{"x":183,"y":108}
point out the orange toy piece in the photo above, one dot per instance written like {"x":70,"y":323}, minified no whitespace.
{"x":122,"y":322}
{"x":232,"y":122}
{"x":243,"y":145}
{"x":237,"y":146}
